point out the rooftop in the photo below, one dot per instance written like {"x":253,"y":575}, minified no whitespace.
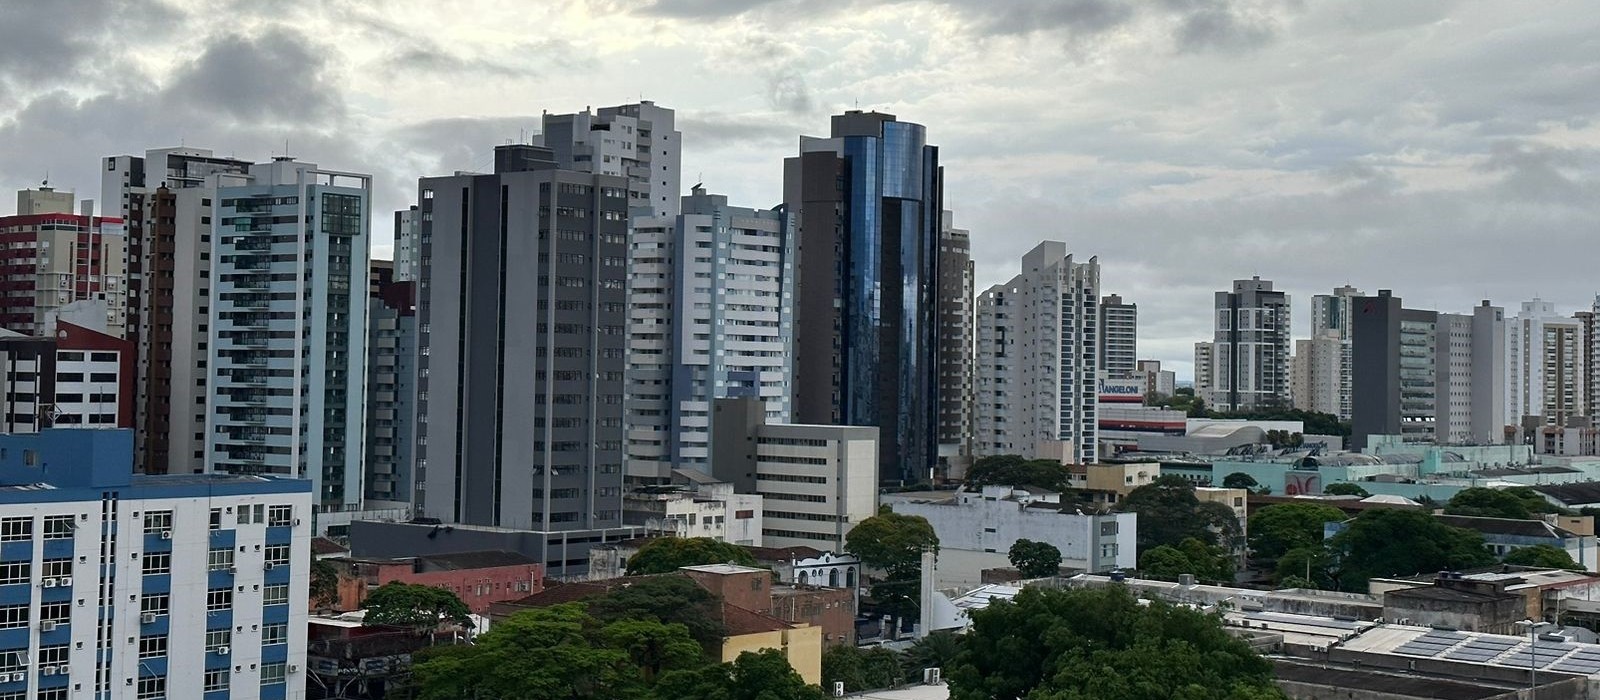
{"x":737,"y":621}
{"x":723,"y":569}
{"x":475,"y":560}
{"x":1572,"y":494}
{"x":1507,"y":526}
{"x":1384,"y":683}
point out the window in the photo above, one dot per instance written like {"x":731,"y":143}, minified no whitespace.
{"x":13,"y":660}
{"x":258,"y":513}
{"x":244,"y":515}
{"x":272,"y":674}
{"x":219,"y":599}
{"x":56,"y":568}
{"x":280,"y":516}
{"x":275,"y":595}
{"x":216,"y":518}
{"x":1108,"y":528}
{"x":156,"y":603}
{"x":58,"y":527}
{"x":157,"y":563}
{"x":13,"y":616}
{"x":278,"y":554}
{"x":152,"y":646}
{"x":157,"y":521}
{"x":14,"y":572}
{"x":53,"y":655}
{"x":216,"y":639}
{"x":59,"y":613}
{"x":275,"y":634}
{"x":216,"y":679}
{"x":16,"y":529}
{"x":219,"y":559}
{"x":152,"y":688}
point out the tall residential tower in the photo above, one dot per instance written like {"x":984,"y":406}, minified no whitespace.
{"x":1251,"y":347}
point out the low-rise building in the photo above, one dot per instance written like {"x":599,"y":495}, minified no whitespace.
{"x":479,"y":579}
{"x":348,"y":658}
{"x":73,"y":377}
{"x":696,"y":505}
{"x":1506,"y":535}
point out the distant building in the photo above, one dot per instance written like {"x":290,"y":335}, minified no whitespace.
{"x":956,"y":337}
{"x":479,"y":579}
{"x":1205,"y":370}
{"x":407,"y":246}
{"x":1545,"y":356}
{"x":74,"y":377}
{"x":638,"y":141}
{"x":210,"y":575}
{"x":1119,"y":336}
{"x":1157,"y":381}
{"x":56,"y":257}
{"x":702,"y":507}
{"x":1330,"y":321}
{"x":1318,"y":374}
{"x":391,"y":393}
{"x":1250,"y":347}
{"x":816,"y":481}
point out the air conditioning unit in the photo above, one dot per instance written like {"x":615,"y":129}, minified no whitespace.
{"x":223,"y":651}
{"x":931,"y":676}
{"x":268,"y":566}
{"x":47,"y":670}
{"x":297,"y":522}
{"x":19,"y":678}
{"x":233,"y":569}
{"x":166,"y":534}
{"x":66,"y":581}
{"x":47,"y":626}
{"x":293,"y":668}
{"x":838,"y":689}
{"x":147,"y":618}
{"x":48,"y":583}
{"x":63,"y":670}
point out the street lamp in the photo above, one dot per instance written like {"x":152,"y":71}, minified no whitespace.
{"x":1533,"y":646}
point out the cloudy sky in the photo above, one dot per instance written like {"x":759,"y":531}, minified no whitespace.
{"x":1447,"y":150}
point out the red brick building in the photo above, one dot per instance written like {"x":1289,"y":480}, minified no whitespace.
{"x":480,"y":579}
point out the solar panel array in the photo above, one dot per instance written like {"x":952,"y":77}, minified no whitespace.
{"x":1543,"y":654}
{"x":1431,"y":644}
{"x":1585,"y":661}
{"x":1480,"y":649}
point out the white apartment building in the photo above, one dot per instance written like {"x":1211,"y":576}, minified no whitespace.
{"x":710,"y":316}
{"x":407,"y":231}
{"x":287,"y":356}
{"x":211,"y":580}
{"x":638,"y":141}
{"x":1545,"y":353}
{"x":1037,"y":360}
{"x":708,"y":508}
{"x":1319,"y":380}
{"x":1205,"y":369}
{"x":1119,"y":336}
{"x":1330,"y":318}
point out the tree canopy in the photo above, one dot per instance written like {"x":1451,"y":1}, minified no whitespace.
{"x":1276,"y":529}
{"x":419,"y":607}
{"x":1169,"y":513}
{"x":1543,"y":556}
{"x":1399,"y":542}
{"x":764,"y":675}
{"x":668,"y":600}
{"x":1054,"y":644}
{"x":1518,"y":503}
{"x":861,"y":669}
{"x":667,"y":554}
{"x":892,"y":542}
{"x":324,"y":583}
{"x":1345,"y":488}
{"x":1035,"y":559}
{"x":1015,"y":470}
{"x":1205,"y":561}
{"x":1239,"y":480}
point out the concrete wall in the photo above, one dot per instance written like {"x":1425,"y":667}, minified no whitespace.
{"x":802,"y":646}
{"x":982,"y":525}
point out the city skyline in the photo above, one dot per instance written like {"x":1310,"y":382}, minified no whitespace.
{"x":1184,"y":148}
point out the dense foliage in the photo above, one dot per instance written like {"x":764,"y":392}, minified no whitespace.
{"x":1239,"y":480}
{"x":1518,"y":502}
{"x":1276,"y":529}
{"x":861,"y":669}
{"x":324,"y":583}
{"x":668,"y":600}
{"x":1191,"y":556}
{"x":1035,"y":559}
{"x":1086,"y":644}
{"x":1169,"y":513}
{"x":419,"y":607}
{"x":1543,"y":556}
{"x":892,"y":543}
{"x":1015,"y":470}
{"x":667,"y":554}
{"x":1399,"y":542}
{"x":1345,"y":488}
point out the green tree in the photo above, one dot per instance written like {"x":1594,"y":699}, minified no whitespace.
{"x":324,"y":583}
{"x":1169,"y":513}
{"x":1015,"y":470}
{"x":1277,"y":529}
{"x":1239,"y":480}
{"x":1399,"y":542}
{"x":1035,"y":559}
{"x":1517,"y":502}
{"x":1306,"y":567}
{"x":937,"y":650}
{"x":667,"y":554}
{"x":1345,"y":488}
{"x":1054,"y":644}
{"x":421,"y":608}
{"x":1204,"y":561}
{"x":1542,"y":556}
{"x":764,"y":675}
{"x":557,"y":653}
{"x":668,"y":600}
{"x":893,"y":543}
{"x":860,"y":669}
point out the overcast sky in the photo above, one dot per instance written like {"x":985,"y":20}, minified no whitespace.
{"x":1446,"y":150}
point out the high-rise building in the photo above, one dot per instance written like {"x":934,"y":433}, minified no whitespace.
{"x":708,"y":319}
{"x":1427,"y":376}
{"x":286,"y":361}
{"x":1591,"y":359}
{"x":73,"y":377}
{"x":57,"y":257}
{"x":406,"y":226}
{"x":521,"y":345}
{"x":1157,"y":381}
{"x":1036,"y":377}
{"x":391,"y":391}
{"x":1205,"y":370}
{"x":1119,"y":341}
{"x":869,"y":200}
{"x":1251,"y":347}
{"x":1330,"y":318}
{"x":1317,"y":370}
{"x":955,"y":310}
{"x":1545,"y":383}
{"x":637,"y":141}
{"x":211,"y":575}
{"x":168,"y":199}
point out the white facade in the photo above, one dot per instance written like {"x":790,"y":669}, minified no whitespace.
{"x":407,"y":230}
{"x":638,"y":141}
{"x":989,"y":522}
{"x":1321,"y":381}
{"x":287,"y":353}
{"x":710,"y":316}
{"x":1036,"y":360}
{"x":1544,"y":366}
{"x":1330,"y":318}
{"x":1205,"y":369}
{"x":711,"y":510}
{"x":816,"y":481}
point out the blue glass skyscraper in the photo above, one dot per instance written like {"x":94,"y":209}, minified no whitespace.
{"x":866,"y":343}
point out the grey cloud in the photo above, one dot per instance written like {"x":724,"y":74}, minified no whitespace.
{"x":787,"y":91}
{"x":273,"y":77}
{"x":45,"y":42}
{"x":722,"y":130}
{"x":1023,"y":16}
{"x":1221,"y":29}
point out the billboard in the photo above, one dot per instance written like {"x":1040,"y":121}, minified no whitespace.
{"x":1121,"y":390}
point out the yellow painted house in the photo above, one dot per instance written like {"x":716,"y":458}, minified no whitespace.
{"x":800,"y":643}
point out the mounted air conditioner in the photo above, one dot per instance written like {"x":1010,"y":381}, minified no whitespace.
{"x":66,"y":581}
{"x":223,"y":651}
{"x":48,"y":583}
{"x":147,"y":618}
{"x":47,"y":626}
{"x":166,"y":534}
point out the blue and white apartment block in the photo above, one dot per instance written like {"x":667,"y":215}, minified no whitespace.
{"x":115,"y":585}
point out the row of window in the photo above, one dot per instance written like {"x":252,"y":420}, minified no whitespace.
{"x":60,"y":527}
